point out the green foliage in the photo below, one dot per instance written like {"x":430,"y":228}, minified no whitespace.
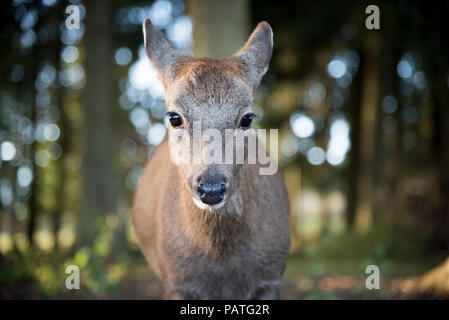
{"x":101,"y":268}
{"x":32,"y":268}
{"x":13,"y":272}
{"x":335,"y":267}
{"x":382,"y":241}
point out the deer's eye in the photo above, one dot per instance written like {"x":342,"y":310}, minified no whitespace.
{"x":175,"y":119}
{"x":245,"y":122}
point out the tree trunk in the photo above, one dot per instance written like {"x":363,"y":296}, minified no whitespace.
{"x":387,"y":170}
{"x":368,"y":114}
{"x":353,"y":170}
{"x":98,"y":176}
{"x":436,"y":282}
{"x":59,"y":101}
{"x":33,"y":201}
{"x":219,"y":27}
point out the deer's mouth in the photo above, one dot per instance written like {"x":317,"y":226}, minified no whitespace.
{"x":203,"y":206}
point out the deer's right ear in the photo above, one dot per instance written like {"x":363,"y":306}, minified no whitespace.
{"x":256,"y":53}
{"x":160,"y":51}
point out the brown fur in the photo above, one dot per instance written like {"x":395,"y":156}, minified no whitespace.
{"x":239,"y":250}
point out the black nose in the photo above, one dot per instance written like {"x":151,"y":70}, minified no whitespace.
{"x":211,"y":193}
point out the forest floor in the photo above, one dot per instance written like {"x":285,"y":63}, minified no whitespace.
{"x":333,"y":268}
{"x":304,"y":278}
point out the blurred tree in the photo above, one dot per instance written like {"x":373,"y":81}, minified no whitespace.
{"x":220,"y":27}
{"x":391,"y":52}
{"x":366,"y":135}
{"x":56,"y":47}
{"x":99,"y":195}
{"x":436,"y":54}
{"x":33,"y":200}
{"x":435,"y":48}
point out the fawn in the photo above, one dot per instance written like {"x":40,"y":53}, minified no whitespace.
{"x":211,"y":230}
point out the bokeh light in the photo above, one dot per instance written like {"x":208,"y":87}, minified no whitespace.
{"x":142,"y":76}
{"x":24,"y":176}
{"x":180,"y":32}
{"x":160,"y":13}
{"x":337,"y":67}
{"x":70,"y":54}
{"x":339,"y":142}
{"x":316,"y":156}
{"x":302,"y":125}
{"x":389,"y":104}
{"x":123,"y":56}
{"x":156,"y":133}
{"x":7,"y":150}
{"x":404,"y":68}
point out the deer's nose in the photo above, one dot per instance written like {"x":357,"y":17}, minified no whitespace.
{"x":211,"y":193}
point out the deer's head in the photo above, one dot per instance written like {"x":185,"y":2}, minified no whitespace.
{"x":209,"y":96}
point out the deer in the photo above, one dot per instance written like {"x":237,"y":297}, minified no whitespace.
{"x":211,"y":230}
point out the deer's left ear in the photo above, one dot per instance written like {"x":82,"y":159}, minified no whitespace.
{"x":256,"y":54}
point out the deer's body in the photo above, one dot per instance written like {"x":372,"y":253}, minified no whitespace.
{"x":235,"y":246}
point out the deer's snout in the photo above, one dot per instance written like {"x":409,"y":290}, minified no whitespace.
{"x":211,"y":186}
{"x":211,"y":192}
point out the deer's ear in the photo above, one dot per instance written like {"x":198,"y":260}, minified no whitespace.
{"x":256,"y":53}
{"x":160,"y":51}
